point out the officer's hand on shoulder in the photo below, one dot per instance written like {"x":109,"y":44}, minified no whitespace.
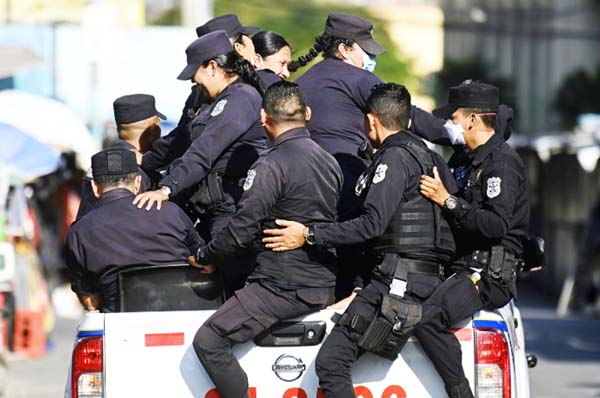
{"x":149,"y":198}
{"x":291,"y":237}
{"x":433,"y":188}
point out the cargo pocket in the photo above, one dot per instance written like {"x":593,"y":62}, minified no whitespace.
{"x":316,"y":296}
{"x":229,"y":318}
{"x":422,"y":285}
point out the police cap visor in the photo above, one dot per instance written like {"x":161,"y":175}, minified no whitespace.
{"x":471,"y":95}
{"x":354,"y":28}
{"x":203,"y":49}
{"x":230,"y":23}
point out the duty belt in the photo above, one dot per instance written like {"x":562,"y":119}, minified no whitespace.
{"x":497,"y":262}
{"x":398,"y":268}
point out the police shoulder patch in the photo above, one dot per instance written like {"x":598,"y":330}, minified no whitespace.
{"x":249,"y":179}
{"x":380,"y":173}
{"x":218,"y":108}
{"x":494,"y":187}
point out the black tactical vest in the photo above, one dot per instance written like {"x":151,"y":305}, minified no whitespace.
{"x":418,"y":224}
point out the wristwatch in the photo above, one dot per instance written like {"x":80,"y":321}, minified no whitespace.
{"x":451,"y":202}
{"x":310,"y":236}
{"x":166,"y":190}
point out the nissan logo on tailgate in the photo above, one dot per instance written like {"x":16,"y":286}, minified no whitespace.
{"x":288,"y":368}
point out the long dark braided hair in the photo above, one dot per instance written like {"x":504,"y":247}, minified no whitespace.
{"x":232,"y":62}
{"x":326,"y":44}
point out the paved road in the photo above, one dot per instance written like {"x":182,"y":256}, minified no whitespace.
{"x":568,"y":351}
{"x":45,"y":377}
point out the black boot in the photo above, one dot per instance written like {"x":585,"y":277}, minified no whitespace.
{"x":461,"y":391}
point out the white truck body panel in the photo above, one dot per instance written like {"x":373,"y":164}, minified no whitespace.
{"x":150,"y":354}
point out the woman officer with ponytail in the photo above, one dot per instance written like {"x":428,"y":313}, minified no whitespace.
{"x":170,"y":147}
{"x":226,"y":136}
{"x":337,"y":89}
{"x":273,"y":55}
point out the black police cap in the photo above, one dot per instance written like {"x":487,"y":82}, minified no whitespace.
{"x":352,"y":27}
{"x":135,"y":107}
{"x":230,"y":23}
{"x":207,"y":47}
{"x":476,"y":95}
{"x":114,"y":161}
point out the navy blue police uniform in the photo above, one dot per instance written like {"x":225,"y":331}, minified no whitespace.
{"x":170,"y":147}
{"x":268,"y":77}
{"x":226,"y":138}
{"x":116,"y":235}
{"x":490,"y":214}
{"x":295,"y":179}
{"x":127,"y":109}
{"x":337,"y":93}
{"x":401,"y":226}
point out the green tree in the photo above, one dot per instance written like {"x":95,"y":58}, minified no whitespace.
{"x":579,"y":93}
{"x":301,"y":21}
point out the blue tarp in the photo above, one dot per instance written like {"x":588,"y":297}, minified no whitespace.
{"x":25,"y":157}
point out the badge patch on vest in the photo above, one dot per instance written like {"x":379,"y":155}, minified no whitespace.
{"x":380,"y":173}
{"x":494,"y":187}
{"x":219,"y":108}
{"x":249,"y":179}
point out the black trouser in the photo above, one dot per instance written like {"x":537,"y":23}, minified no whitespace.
{"x":249,"y":312}
{"x":453,"y":301}
{"x":340,"y":350}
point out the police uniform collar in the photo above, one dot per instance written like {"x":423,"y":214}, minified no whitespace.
{"x":482,"y":152}
{"x":112,"y":195}
{"x":298,"y":132}
{"x":226,"y":89}
{"x":124,"y":144}
{"x":399,"y":137}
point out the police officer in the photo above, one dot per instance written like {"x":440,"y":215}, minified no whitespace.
{"x":408,"y":233}
{"x":116,"y":234}
{"x":273,"y":55}
{"x":173,"y":145}
{"x":227,"y":137}
{"x":138,"y":126}
{"x":337,"y":89}
{"x":490,"y":214}
{"x":294,"y":179}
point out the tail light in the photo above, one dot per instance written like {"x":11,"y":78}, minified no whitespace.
{"x":492,"y":365}
{"x":86,"y":374}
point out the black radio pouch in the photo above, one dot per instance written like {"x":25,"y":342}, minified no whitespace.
{"x":390,"y":329}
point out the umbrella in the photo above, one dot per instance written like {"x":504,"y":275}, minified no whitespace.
{"x":49,"y":121}
{"x":13,"y":59}
{"x":25,"y":157}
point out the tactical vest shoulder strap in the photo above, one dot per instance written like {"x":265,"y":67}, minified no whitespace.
{"x":419,"y":155}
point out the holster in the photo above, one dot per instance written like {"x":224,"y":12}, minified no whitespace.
{"x":392,"y":326}
{"x":498,"y":263}
{"x":209,"y":193}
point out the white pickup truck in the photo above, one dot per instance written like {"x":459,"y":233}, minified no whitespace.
{"x":147,"y":352}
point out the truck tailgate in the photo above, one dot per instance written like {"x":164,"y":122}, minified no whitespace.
{"x":149,"y":354}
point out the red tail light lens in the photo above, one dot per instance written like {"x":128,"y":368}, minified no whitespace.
{"x":492,"y":365}
{"x":86,"y":372}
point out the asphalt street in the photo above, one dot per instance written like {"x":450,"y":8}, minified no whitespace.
{"x":568,"y":352}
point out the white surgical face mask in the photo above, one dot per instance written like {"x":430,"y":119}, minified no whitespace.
{"x":369,"y":62}
{"x":456,"y":133}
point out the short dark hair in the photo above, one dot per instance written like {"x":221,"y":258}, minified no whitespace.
{"x":487,"y":117}
{"x":285,"y":103}
{"x":267,"y":43}
{"x":113,"y":181}
{"x":390,"y":102}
